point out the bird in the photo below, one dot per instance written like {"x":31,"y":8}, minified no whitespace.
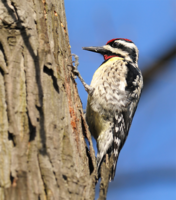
{"x":113,"y":96}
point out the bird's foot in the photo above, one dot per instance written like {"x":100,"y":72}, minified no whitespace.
{"x":75,"y":66}
{"x":76,"y":73}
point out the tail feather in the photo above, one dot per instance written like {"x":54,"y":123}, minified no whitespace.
{"x":118,"y":137}
{"x":116,"y":155}
{"x":114,"y":145}
{"x":104,"y":143}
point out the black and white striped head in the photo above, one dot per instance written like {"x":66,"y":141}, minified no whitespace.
{"x":118,"y":47}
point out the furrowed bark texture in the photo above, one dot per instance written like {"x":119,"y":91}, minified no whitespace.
{"x":43,"y":154}
{"x":106,"y":172}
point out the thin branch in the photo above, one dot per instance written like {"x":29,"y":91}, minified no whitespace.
{"x":158,"y":65}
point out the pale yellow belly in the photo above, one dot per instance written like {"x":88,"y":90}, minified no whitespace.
{"x":97,"y":123}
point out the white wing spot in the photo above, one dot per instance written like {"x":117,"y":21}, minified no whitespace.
{"x":115,"y":152}
{"x":116,"y":129}
{"x":119,"y":119}
{"x":117,"y":141}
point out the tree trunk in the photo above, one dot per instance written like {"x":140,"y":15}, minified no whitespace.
{"x":43,"y":154}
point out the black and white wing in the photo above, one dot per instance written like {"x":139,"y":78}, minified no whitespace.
{"x":123,"y":120}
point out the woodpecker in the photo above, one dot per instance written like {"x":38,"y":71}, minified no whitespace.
{"x":113,"y":96}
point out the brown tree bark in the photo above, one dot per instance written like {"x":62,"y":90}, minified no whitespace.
{"x":43,"y":153}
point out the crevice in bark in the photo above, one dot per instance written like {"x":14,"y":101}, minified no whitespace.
{"x":87,"y":146}
{"x":1,"y":71}
{"x":3,"y":61}
{"x":11,"y":138}
{"x":92,"y":164}
{"x":43,"y":181}
{"x":64,"y":177}
{"x":11,"y":179}
{"x":15,"y":10}
{"x":10,"y":10}
{"x":4,"y":47}
{"x":32,"y":130}
{"x":51,"y":73}
{"x":91,"y":167}
{"x":42,"y":150}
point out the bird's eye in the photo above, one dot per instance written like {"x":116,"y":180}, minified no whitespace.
{"x":117,"y":45}
{"x":114,"y":44}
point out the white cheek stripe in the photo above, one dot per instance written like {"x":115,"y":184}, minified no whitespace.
{"x":118,"y":51}
{"x":129,"y":45}
{"x":115,"y":50}
{"x":123,"y":53}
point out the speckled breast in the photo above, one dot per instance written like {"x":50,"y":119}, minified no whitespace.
{"x":109,"y":82}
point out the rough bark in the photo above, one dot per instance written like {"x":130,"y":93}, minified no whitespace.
{"x":43,"y":153}
{"x":106,"y":172}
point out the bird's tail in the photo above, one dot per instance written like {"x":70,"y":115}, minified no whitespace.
{"x":117,"y":136}
{"x":113,"y":169}
{"x":102,"y":159}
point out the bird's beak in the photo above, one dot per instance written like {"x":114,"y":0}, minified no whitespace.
{"x":101,"y":50}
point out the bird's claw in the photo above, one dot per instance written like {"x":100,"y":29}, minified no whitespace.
{"x":76,"y":73}
{"x":75,"y":66}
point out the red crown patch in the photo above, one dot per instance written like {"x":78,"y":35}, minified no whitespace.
{"x":118,"y":39}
